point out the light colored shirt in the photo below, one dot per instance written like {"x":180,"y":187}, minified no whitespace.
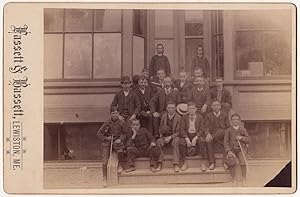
{"x":182,"y":83}
{"x":168,"y":91}
{"x":217,"y":114}
{"x":200,"y":89}
{"x":236,"y":127}
{"x":143,"y":91}
{"x":126,"y":93}
{"x":171,"y":116}
{"x":192,"y":127}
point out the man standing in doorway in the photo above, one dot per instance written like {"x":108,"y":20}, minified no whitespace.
{"x":159,"y":61}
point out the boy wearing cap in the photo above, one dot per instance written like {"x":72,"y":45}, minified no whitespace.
{"x":113,"y":131}
{"x":183,"y":86}
{"x":159,"y":101}
{"x":159,"y":61}
{"x":169,"y":132}
{"x":191,"y":136}
{"x":236,"y":137}
{"x":221,"y":94}
{"x":215,"y":123}
{"x":200,"y":95}
{"x":127,"y":101}
{"x":141,"y":144}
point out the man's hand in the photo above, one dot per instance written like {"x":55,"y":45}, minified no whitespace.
{"x":230,"y":154}
{"x":132,"y":117}
{"x":188,"y":142}
{"x":238,"y":137}
{"x":167,"y":139}
{"x":148,"y":112}
{"x":118,"y":141}
{"x":203,"y":109}
{"x":121,"y":118}
{"x":194,"y":141}
{"x":156,"y":114}
{"x":152,"y":144}
{"x":209,"y":138}
{"x":134,"y":134}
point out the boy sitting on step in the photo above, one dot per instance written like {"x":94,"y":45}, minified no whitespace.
{"x":236,"y":137}
{"x":141,"y":144}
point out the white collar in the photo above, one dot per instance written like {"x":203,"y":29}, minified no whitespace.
{"x":160,"y":54}
{"x":168,"y":90}
{"x":126,"y":93}
{"x":142,"y":90}
{"x":170,"y":117}
{"x":200,"y":89}
{"x":236,"y":127}
{"x":220,"y":88}
{"x":217,"y":114}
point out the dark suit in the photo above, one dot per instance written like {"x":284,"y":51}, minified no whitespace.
{"x":183,"y":91}
{"x":159,"y":62}
{"x":199,"y":97}
{"x":127,"y":105}
{"x":225,"y":97}
{"x":202,"y":63}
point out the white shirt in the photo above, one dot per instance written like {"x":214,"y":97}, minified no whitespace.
{"x":236,"y":127}
{"x":200,"y":89}
{"x":192,"y":127}
{"x":142,"y":90}
{"x":159,"y":54}
{"x":171,"y":116}
{"x":126,"y":93}
{"x":217,"y":114}
{"x":182,"y":84}
{"x":168,"y":91}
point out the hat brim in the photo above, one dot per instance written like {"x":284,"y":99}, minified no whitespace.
{"x":180,"y":111}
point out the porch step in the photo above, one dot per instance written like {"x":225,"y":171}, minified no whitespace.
{"x":168,"y":176}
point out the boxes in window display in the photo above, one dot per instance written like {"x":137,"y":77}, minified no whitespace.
{"x":255,"y":69}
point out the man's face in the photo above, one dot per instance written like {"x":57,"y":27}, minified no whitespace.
{"x":235,"y":121}
{"x":219,"y":83}
{"x":114,"y":115}
{"x":145,"y":74}
{"x":142,"y":83}
{"x":200,"y":51}
{"x":200,"y":82}
{"x":216,"y":106}
{"x":171,"y":108}
{"x":126,"y":86}
{"x":167,"y":82}
{"x":198,"y":73}
{"x":135,"y":125}
{"x":192,"y":109}
{"x":160,"y":49}
{"x":182,"y":76}
{"x":161,"y":74}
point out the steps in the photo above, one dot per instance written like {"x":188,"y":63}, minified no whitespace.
{"x":192,"y":175}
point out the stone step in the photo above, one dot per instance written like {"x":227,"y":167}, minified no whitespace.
{"x":192,"y":162}
{"x":168,"y":176}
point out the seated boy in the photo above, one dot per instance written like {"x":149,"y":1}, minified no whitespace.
{"x":113,"y":131}
{"x":169,"y":132}
{"x":141,"y":144}
{"x":234,"y":156}
{"x":216,"y":122}
{"x":221,"y":94}
{"x":191,"y":136}
{"x":183,"y":86}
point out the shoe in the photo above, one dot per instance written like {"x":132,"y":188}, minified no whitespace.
{"x":226,"y":167}
{"x":153,"y":169}
{"x":184,"y":167}
{"x":212,"y":166}
{"x":131,"y":169}
{"x":120,"y":169}
{"x":159,"y":167}
{"x":104,"y":183}
{"x":203,"y":167}
{"x":176,"y":168}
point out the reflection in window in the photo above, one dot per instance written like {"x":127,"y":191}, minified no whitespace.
{"x":194,"y":23}
{"x":78,"y":20}
{"x":78,"y":56}
{"x":53,"y":20}
{"x":107,"y":55}
{"x":107,"y":21}
{"x":164,"y":23}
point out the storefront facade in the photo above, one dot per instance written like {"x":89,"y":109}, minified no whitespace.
{"x":88,"y":50}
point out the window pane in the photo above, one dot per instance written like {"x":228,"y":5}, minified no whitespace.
{"x":277,"y":53}
{"x":190,"y":51}
{"x":250,"y":54}
{"x":169,"y":52}
{"x":78,"y":20}
{"x":220,"y":21}
{"x":107,"y":21}
{"x":51,"y":142}
{"x":220,"y":56}
{"x":78,"y":56}
{"x":53,"y":51}
{"x":194,"y":23}
{"x":164,"y":23}
{"x":138,"y":55}
{"x":53,"y":21}
{"x":139,"y":22}
{"x":107,"y":55}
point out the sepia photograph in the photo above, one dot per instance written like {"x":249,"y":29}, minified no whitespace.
{"x":150,"y":98}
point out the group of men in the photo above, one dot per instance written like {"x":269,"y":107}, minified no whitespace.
{"x":155,"y":112}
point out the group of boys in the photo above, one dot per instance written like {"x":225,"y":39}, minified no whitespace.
{"x":154,"y":112}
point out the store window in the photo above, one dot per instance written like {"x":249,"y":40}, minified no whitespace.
{"x":82,"y":44}
{"x":263,"y":44}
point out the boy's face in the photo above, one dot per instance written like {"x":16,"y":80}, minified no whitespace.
{"x":219,"y":83}
{"x":198,"y":73}
{"x":145,"y":74}
{"x":126,"y":86}
{"x":200,"y":81}
{"x":167,"y":82}
{"x":216,"y":106}
{"x":235,"y":121}
{"x":161,"y":74}
{"x":200,"y":51}
{"x":182,"y":76}
{"x":135,"y":125}
{"x":171,"y":108}
{"x":160,"y":49}
{"x":142,"y":83}
{"x":114,"y":115}
{"x":192,"y":109}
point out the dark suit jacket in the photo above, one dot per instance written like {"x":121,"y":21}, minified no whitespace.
{"x":144,"y":98}
{"x":142,"y":139}
{"x":176,"y":123}
{"x":199,"y":97}
{"x":185,"y":124}
{"x":158,"y":62}
{"x":134,"y":102}
{"x":229,"y":139}
{"x":202,"y":63}
{"x":225,"y":98}
{"x":212,"y":123}
{"x":159,"y":100}
{"x":118,"y":129}
{"x":183,"y":91}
